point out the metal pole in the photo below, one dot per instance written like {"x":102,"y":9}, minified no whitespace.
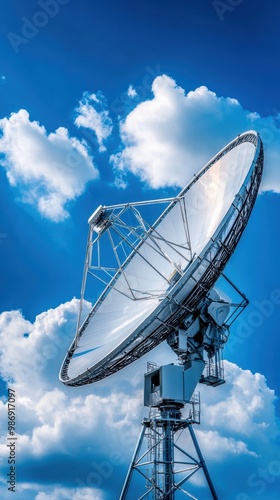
{"x":202,"y":463}
{"x":86,"y":266}
{"x":167,"y":457}
{"x":131,"y":466}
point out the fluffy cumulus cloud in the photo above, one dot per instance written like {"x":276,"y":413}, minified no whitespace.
{"x":241,"y":431}
{"x":41,"y":341}
{"x":49,"y":169}
{"x":88,"y":434}
{"x":164,"y":141}
{"x":54,"y":422}
{"x":168,"y":138}
{"x":34,"y":491}
{"x":93,"y":115}
{"x":70,"y":494}
{"x":246,"y":404}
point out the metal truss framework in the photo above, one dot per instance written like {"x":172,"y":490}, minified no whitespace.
{"x":166,"y":466}
{"x":124,"y":230}
{"x":125,"y":238}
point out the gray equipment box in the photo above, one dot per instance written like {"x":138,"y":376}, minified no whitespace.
{"x":172,"y":383}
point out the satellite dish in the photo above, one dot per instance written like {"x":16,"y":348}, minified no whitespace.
{"x":162,"y":270}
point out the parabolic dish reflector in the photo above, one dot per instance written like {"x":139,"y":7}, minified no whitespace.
{"x":172,"y":265}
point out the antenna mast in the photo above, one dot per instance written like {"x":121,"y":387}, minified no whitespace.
{"x":165,"y":465}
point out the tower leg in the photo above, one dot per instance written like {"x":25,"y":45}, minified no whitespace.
{"x":202,"y":463}
{"x":132,"y":464}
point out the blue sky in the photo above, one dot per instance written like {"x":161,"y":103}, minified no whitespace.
{"x":107,"y":102}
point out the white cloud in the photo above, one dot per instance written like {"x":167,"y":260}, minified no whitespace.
{"x":246,"y":403}
{"x":27,"y":350}
{"x":169,"y":138}
{"x":93,"y":115}
{"x":218,"y":447}
{"x":50,"y":170}
{"x":33,"y":491}
{"x":89,"y":433}
{"x":131,"y":92}
{"x":71,"y":494}
{"x":55,"y":420}
{"x":165,"y":141}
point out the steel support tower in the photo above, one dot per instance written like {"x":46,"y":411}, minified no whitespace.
{"x":164,"y":464}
